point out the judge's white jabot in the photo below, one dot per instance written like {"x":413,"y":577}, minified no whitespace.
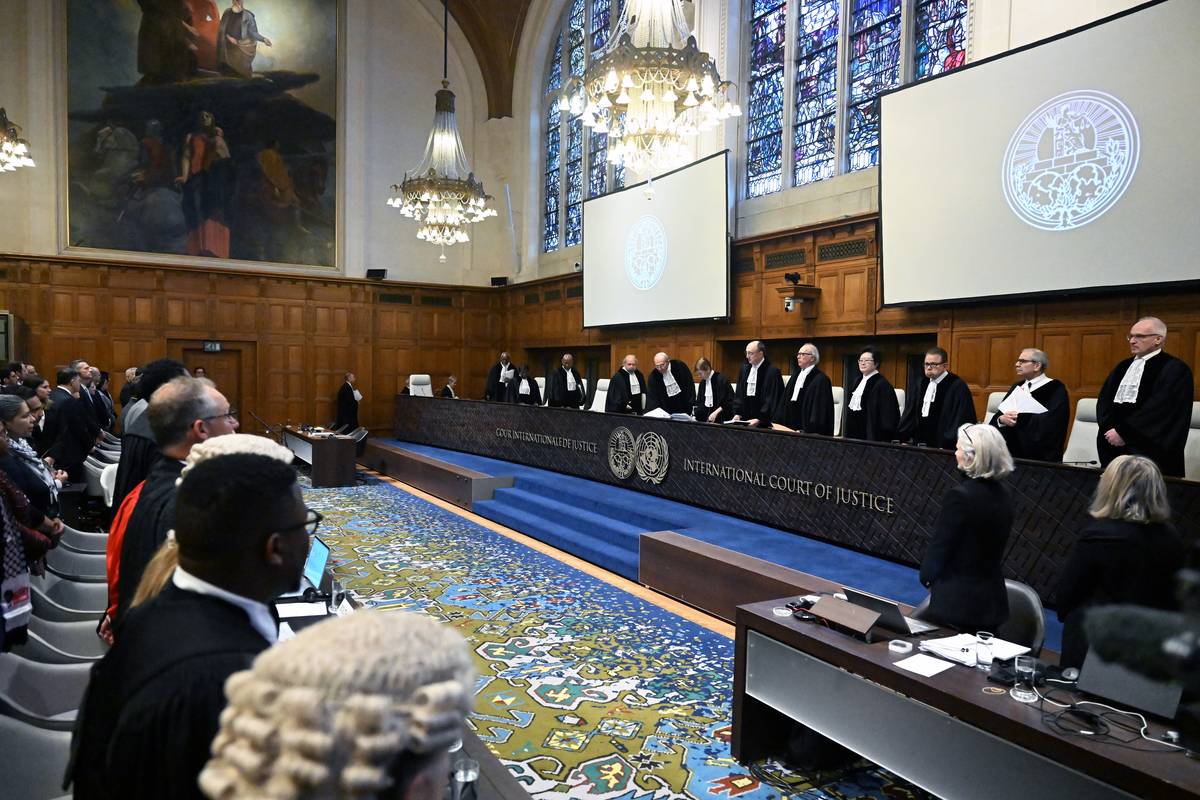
{"x":856,"y":398}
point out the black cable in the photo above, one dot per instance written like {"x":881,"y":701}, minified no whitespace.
{"x":445,"y":38}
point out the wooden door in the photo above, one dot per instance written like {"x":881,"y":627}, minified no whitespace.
{"x":224,"y":369}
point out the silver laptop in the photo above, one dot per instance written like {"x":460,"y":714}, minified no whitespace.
{"x":889,"y":612}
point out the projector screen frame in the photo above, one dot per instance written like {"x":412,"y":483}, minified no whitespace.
{"x":728,"y":250}
{"x":1093,"y":291}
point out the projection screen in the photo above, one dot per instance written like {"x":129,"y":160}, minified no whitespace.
{"x":663,"y":258}
{"x":1069,"y":165}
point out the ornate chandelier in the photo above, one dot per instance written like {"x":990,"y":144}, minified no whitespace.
{"x":442,"y":193}
{"x":652,"y":90}
{"x":14,"y":151}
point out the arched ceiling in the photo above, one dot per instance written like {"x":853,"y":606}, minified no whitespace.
{"x":493,"y":29}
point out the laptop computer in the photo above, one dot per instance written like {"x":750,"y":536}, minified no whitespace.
{"x":314,"y":570}
{"x":889,"y":612}
{"x":1127,"y":688}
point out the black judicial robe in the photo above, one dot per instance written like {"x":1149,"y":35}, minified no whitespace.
{"x":812,"y":410}
{"x":534,"y":398}
{"x":951,"y":408}
{"x":880,"y":414}
{"x":347,"y":408}
{"x":722,"y":399}
{"x":495,"y":389}
{"x":139,"y":454}
{"x":1156,"y":426}
{"x":447,"y":392}
{"x":767,"y":394}
{"x":620,"y":400}
{"x":1039,"y":436}
{"x":682,"y":403}
{"x":154,"y":701}
{"x":556,"y":390}
{"x":152,"y":517}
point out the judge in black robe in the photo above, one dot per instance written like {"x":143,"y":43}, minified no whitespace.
{"x":557,"y":391}
{"x":152,"y":517}
{"x":621,"y":398}
{"x":659,"y":396}
{"x":347,"y":405}
{"x":951,"y":408}
{"x":878,"y":416}
{"x":523,"y":389}
{"x":1156,"y":423}
{"x":1035,"y":436}
{"x":807,"y":402}
{"x":761,"y":403}
{"x":448,"y":390}
{"x":714,"y":397}
{"x":496,"y":387}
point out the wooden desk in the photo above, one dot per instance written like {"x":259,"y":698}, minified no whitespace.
{"x":942,"y":733}
{"x":331,"y":457}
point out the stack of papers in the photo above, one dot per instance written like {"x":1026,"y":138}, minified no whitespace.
{"x":960,"y":648}
{"x":924,"y":665}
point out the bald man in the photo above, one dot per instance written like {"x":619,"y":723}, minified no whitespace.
{"x":670,"y":386}
{"x":759,"y":388}
{"x":1145,"y":405}
{"x":564,"y":387}
{"x":626,"y":389}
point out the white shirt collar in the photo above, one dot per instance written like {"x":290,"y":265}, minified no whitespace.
{"x":259,"y":614}
{"x":800,"y":381}
{"x":1149,"y":356}
{"x":1038,"y":382}
{"x":939,"y":378}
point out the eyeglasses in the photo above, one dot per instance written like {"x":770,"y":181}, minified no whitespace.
{"x":935,"y":364}
{"x":963,"y":434}
{"x":806,"y":353}
{"x":1026,"y":361}
{"x":312,"y":521}
{"x":230,"y":415}
{"x":866,"y":361}
{"x":1133,"y":336}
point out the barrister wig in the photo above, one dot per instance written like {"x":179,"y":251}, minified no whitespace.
{"x":339,"y":710}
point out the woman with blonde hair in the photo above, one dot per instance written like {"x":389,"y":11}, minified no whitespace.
{"x":962,"y":567}
{"x":362,"y":706}
{"x":1129,"y":552}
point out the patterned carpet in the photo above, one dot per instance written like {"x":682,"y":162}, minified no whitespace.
{"x":585,"y":691}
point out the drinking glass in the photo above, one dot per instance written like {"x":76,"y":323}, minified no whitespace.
{"x":1023,"y":691}
{"x":466,"y":770}
{"x":983,"y":650}
{"x":336,"y":593}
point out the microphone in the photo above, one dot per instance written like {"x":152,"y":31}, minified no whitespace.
{"x":1091,"y":463}
{"x":276,"y":433}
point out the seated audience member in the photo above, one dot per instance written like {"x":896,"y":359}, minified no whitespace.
{"x":714,"y":398}
{"x":626,"y":389}
{"x":1037,"y":436}
{"x":872,"y":412}
{"x":499,"y":378}
{"x":10,"y":376}
{"x":24,"y":542}
{"x":1128,"y":554}
{"x":808,"y":396}
{"x":138,"y":450}
{"x":448,"y":390}
{"x":21,"y":464}
{"x":670,"y":386}
{"x":941,"y":405}
{"x":524,"y":389}
{"x":40,"y":385}
{"x":153,"y":703}
{"x":564,"y":387}
{"x":365,"y":705}
{"x":759,"y":388}
{"x":962,"y":567}
{"x":1145,"y":405}
{"x":199,"y":372}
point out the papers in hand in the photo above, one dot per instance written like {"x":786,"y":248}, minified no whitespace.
{"x":926,"y":666}
{"x":506,"y":375}
{"x":960,"y":648}
{"x":657,"y":413}
{"x":1022,"y":402}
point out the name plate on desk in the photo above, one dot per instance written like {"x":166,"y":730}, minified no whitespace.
{"x":846,"y":616}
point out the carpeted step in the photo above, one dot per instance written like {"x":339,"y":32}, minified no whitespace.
{"x":599,"y":498}
{"x":581,"y":522}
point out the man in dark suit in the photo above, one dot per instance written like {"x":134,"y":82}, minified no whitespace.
{"x":564,"y":387}
{"x":759,"y":388}
{"x":940,"y":406}
{"x":1145,"y":405}
{"x":348,"y":398}
{"x":808,"y":396}
{"x":626,"y":389}
{"x":1028,"y":435}
{"x":152,"y":706}
{"x":71,"y":429}
{"x":872,"y":412}
{"x":88,"y":378}
{"x":499,"y":377}
{"x":670,"y":386}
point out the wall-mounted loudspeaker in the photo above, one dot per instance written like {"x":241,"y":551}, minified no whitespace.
{"x":376,"y":274}
{"x":499,"y":280}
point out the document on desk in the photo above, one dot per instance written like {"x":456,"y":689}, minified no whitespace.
{"x":926,"y":666}
{"x":961,"y":648}
{"x":1022,"y":402}
{"x":290,"y":610}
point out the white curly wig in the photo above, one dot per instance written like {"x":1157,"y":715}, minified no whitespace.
{"x":231,"y":443}
{"x":327,"y":713}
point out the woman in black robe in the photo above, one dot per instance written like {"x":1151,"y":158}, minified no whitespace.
{"x":878,"y":413}
{"x":714,"y":397}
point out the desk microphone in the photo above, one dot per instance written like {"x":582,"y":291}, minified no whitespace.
{"x":276,"y":433}
{"x":1091,"y":463}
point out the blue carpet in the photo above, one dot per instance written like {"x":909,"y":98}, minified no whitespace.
{"x":601,"y":524}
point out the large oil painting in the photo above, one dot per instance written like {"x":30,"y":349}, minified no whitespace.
{"x":203,"y":128}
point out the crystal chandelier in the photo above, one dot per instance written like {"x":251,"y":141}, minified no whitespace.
{"x":652,"y":90}
{"x":14,"y":151}
{"x":442,"y":193}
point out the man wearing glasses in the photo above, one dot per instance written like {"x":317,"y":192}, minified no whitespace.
{"x":941,"y":405}
{"x":1037,"y":435}
{"x":808,"y":397}
{"x":1145,"y":405}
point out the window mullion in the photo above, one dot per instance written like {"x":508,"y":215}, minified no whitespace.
{"x":843,"y":86}
{"x":788,"y":133}
{"x":907,"y":15}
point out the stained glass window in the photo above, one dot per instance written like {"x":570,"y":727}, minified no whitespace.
{"x":764,"y":117}
{"x":874,"y":62}
{"x":550,"y":182}
{"x":601,"y":24}
{"x":597,"y":163}
{"x":573,"y":230}
{"x":939,"y":37}
{"x":575,"y":31}
{"x":815,"y":136}
{"x":554,"y":82}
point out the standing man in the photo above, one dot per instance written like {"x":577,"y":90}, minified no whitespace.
{"x":759,"y":388}
{"x":1038,"y":436}
{"x":126,"y":396}
{"x":872,"y":412}
{"x":499,"y":377}
{"x":70,"y":432}
{"x":348,"y":399}
{"x":564,"y":387}
{"x":808,"y":397}
{"x":670,"y":387}
{"x":626,"y":389}
{"x":87,"y":394}
{"x":941,"y":405}
{"x":1145,"y":405}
